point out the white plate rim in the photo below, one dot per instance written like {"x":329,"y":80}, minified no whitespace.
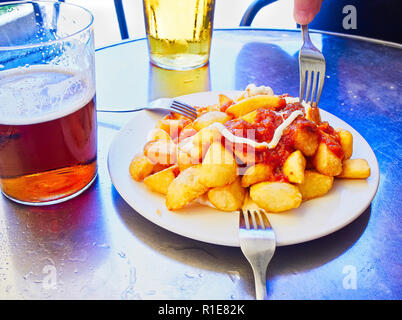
{"x":375,"y":175}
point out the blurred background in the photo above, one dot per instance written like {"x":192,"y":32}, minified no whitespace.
{"x":377,"y":19}
{"x":228,"y":13}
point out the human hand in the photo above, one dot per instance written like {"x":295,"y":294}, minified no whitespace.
{"x":306,"y":10}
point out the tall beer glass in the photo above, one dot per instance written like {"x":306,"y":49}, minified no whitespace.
{"x":179,"y":32}
{"x":47,"y":101}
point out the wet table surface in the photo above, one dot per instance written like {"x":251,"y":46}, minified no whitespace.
{"x":96,"y":247}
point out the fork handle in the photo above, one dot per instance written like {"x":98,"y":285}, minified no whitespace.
{"x":260,"y":283}
{"x":306,"y":36}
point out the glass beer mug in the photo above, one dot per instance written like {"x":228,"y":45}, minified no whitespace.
{"x":48,"y":146}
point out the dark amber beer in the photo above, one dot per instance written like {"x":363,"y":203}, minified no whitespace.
{"x":47,"y":134}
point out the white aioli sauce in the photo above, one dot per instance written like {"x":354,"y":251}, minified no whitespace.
{"x":306,"y":105}
{"x":275,"y":140}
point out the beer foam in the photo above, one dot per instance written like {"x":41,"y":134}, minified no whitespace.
{"x":41,"y":94}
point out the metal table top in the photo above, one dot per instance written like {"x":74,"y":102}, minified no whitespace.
{"x":96,"y":247}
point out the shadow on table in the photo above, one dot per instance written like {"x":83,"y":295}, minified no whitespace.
{"x":289,"y":259}
{"x":305,"y":256}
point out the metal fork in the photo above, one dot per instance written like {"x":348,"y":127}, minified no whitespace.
{"x":312,"y":68}
{"x":257,"y":242}
{"x":166,"y":104}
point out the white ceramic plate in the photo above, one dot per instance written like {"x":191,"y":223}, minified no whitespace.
{"x":313,"y":219}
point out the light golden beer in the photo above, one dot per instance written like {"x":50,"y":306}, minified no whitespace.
{"x":179,"y":32}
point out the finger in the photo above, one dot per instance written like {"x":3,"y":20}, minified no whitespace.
{"x":306,"y":10}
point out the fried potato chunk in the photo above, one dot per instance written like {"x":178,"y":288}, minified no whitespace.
{"x":257,"y":173}
{"x":185,"y":188}
{"x":250,"y":117}
{"x":326,"y":162}
{"x":159,"y":134}
{"x":219,"y":167}
{"x":313,"y":114}
{"x":355,"y":169}
{"x":159,"y":167}
{"x":250,"y":104}
{"x":229,"y":197}
{"x":294,"y":167}
{"x":208,"y":118}
{"x":160,"y":181}
{"x":276,"y":196}
{"x":161,"y":151}
{"x":172,"y":126}
{"x":245,"y":155}
{"x":304,"y":137}
{"x":346,"y":142}
{"x":184,"y":160}
{"x":315,"y":185}
{"x":206,"y":136}
{"x":140,"y":167}
{"x":223,"y":99}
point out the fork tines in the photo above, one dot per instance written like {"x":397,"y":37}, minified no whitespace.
{"x":257,"y":218}
{"x":184,"y":109}
{"x":312,"y":69}
{"x":311,"y":76}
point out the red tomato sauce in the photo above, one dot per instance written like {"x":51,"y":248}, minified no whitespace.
{"x":263,"y":129}
{"x":331,"y":138}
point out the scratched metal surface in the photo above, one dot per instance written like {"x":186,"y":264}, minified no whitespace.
{"x":97,"y":247}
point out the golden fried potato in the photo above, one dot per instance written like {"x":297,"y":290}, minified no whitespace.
{"x":326,"y":162}
{"x":140,"y":167}
{"x":185,"y":188}
{"x":161,"y":151}
{"x":229,"y":197}
{"x":250,"y":117}
{"x":159,"y":167}
{"x":304,"y":139}
{"x":313,"y":114}
{"x":257,"y":173}
{"x":294,"y":167}
{"x":250,"y":104}
{"x":245,"y":155}
{"x":206,"y":136}
{"x":223,"y":99}
{"x":195,"y":150}
{"x":160,"y":181}
{"x":208,"y":118}
{"x":159,"y":134}
{"x":172,"y":126}
{"x":276,"y":196}
{"x":355,"y":169}
{"x":315,"y":184}
{"x":187,"y":132}
{"x":218,"y":167}
{"x":214,"y":107}
{"x":346,"y":142}
{"x":184,"y":160}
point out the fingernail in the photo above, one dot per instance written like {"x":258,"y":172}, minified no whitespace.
{"x":303,"y":16}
